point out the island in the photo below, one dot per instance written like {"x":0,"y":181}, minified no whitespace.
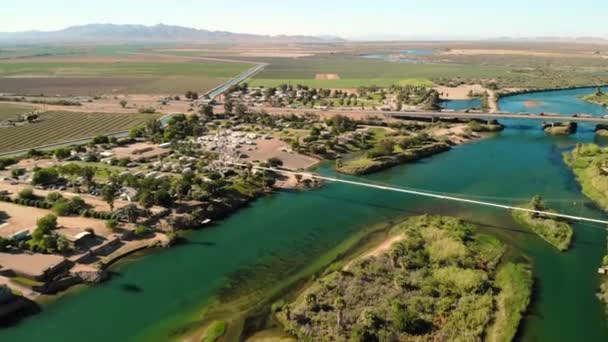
{"x":409,"y":145}
{"x":599,"y":97}
{"x":560,"y":128}
{"x":433,"y":278}
{"x":551,"y":229}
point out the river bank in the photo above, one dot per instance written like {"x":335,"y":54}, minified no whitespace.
{"x":281,"y":235}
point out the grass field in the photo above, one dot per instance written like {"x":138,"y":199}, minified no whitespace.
{"x":12,"y":111}
{"x":56,"y":127}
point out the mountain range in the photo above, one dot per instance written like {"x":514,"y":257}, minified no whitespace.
{"x":140,"y":33}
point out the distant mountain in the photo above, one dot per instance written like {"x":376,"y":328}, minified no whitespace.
{"x":140,"y":33}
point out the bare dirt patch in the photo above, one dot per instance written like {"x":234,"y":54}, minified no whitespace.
{"x":382,"y":248}
{"x":327,"y":77}
{"x":139,"y":150}
{"x":275,"y":148}
{"x":21,"y":217}
{"x":460,"y":92}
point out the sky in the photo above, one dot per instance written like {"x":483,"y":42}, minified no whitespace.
{"x":353,"y":19}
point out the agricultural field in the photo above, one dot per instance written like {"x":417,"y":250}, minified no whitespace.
{"x":510,"y":69}
{"x":108,"y":71}
{"x":57,"y":127}
{"x":352,"y":72}
{"x":12,"y":111}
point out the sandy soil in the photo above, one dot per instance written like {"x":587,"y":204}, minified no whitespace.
{"x":382,"y":248}
{"x":95,"y":202}
{"x":275,"y":148}
{"x":327,"y":77}
{"x":460,"y":92}
{"x":21,"y":217}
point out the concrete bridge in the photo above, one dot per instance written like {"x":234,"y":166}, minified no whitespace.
{"x":492,"y":116}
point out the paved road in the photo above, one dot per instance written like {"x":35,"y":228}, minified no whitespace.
{"x":240,"y":78}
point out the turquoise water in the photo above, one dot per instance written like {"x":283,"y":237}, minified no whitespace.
{"x":461,"y":104}
{"x":392,"y":56}
{"x":558,"y":101}
{"x":154,"y":297}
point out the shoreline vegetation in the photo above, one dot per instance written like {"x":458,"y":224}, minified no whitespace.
{"x":599,"y":97}
{"x":560,"y":128}
{"x":438,"y":277}
{"x":588,"y":163}
{"x":400,"y":149}
{"x":556,"y":232}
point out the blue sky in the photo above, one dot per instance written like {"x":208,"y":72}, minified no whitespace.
{"x":350,"y":19}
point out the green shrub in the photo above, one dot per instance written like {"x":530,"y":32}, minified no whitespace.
{"x":27,"y":193}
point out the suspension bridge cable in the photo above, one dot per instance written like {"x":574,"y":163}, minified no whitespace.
{"x":422,"y":193}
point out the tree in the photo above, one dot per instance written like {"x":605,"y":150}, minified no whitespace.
{"x":182,"y":186}
{"x":340,"y":305}
{"x":47,"y":224}
{"x":62,"y":153}
{"x":386,"y":147}
{"x":207,"y":110}
{"x":123,"y":103}
{"x":275,"y":162}
{"x":599,"y":92}
{"x":101,"y":139}
{"x":17,"y":172}
{"x":112,"y":224}
{"x":192,"y":95}
{"x":228,"y":106}
{"x":163,"y":198}
{"x":108,"y":193}
{"x":241,"y":109}
{"x":45,"y":176}
{"x":145,"y":198}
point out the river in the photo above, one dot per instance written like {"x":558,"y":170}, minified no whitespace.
{"x":565,"y":102}
{"x":161,"y":293}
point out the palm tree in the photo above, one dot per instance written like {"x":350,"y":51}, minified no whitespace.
{"x":340,"y":305}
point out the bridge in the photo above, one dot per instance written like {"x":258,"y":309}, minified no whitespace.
{"x":215,"y":92}
{"x":493,"y":116}
{"x":422,"y":193}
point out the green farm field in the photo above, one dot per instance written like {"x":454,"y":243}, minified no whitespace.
{"x":354,"y":72}
{"x":88,"y":78}
{"x":506,"y":71}
{"x":57,"y":127}
{"x":12,"y":111}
